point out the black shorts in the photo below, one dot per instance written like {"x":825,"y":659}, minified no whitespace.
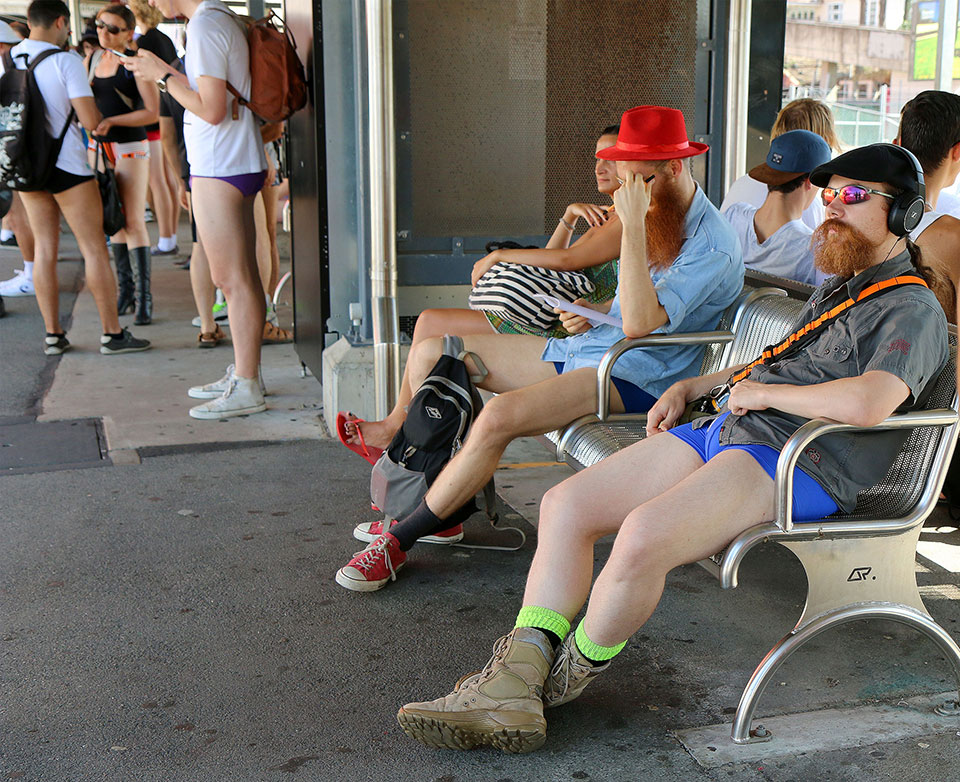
{"x":62,"y":180}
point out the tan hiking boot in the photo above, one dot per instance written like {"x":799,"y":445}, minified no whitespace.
{"x":570,"y":674}
{"x":499,"y":706}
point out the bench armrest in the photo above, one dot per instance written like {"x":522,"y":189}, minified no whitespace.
{"x":810,"y":431}
{"x":605,"y":368}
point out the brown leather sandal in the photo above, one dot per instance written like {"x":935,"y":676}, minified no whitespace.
{"x":274,"y":335}
{"x":207,"y":340}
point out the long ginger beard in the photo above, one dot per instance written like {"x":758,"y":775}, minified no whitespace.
{"x":841,"y":249}
{"x":664,"y":223}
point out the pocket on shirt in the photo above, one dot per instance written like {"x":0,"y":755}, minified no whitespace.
{"x":836,"y":347}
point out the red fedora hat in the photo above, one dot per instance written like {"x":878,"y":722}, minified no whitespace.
{"x":652,"y":133}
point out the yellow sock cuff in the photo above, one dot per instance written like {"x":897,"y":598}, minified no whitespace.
{"x":593,"y":651}
{"x":543,"y":619}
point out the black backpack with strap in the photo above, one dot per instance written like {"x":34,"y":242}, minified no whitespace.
{"x":438,"y":418}
{"x":28,"y":153}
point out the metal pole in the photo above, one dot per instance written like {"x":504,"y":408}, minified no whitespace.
{"x":946,"y":45}
{"x":76,"y":21}
{"x":738,"y":89}
{"x":383,"y":197}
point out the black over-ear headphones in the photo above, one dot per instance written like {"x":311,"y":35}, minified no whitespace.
{"x":906,"y":210}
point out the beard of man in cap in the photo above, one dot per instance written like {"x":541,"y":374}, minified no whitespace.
{"x":840,"y":249}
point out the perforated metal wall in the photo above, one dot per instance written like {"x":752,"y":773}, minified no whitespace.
{"x":506,"y":98}
{"x":602,"y":58}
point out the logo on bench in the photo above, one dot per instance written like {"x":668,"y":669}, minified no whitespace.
{"x":860,"y":574}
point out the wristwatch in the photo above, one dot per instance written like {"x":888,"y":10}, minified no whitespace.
{"x":162,"y":81}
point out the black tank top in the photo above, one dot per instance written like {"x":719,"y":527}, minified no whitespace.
{"x":118,"y":94}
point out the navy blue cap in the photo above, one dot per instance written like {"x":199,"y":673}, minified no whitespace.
{"x":792,"y":154}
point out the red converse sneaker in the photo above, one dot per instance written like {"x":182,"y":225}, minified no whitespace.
{"x":372,"y":530}
{"x":372,"y":568}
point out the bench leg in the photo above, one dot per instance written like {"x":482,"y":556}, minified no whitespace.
{"x":849,"y":579}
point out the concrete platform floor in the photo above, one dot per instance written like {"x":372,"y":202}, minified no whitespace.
{"x":172,"y":615}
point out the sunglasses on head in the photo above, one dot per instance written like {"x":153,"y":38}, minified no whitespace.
{"x":850,"y":194}
{"x":110,"y":28}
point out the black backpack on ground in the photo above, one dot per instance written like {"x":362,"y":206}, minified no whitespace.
{"x":28,"y":153}
{"x":438,"y":418}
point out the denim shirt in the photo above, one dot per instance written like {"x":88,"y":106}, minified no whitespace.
{"x":701,"y":283}
{"x":902,"y":331}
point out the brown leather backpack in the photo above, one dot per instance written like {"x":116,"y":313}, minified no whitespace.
{"x":278,"y":86}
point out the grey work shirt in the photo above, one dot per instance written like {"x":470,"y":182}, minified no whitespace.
{"x":902,"y":331}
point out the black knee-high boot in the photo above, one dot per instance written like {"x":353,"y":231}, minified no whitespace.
{"x":125,"y":288}
{"x":141,"y":257}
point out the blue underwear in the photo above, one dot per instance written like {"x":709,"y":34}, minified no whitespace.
{"x":810,"y":501}
{"x":634,"y":398}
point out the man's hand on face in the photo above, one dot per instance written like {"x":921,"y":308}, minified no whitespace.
{"x":632,"y":199}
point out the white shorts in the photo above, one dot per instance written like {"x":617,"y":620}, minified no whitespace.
{"x":136,"y":150}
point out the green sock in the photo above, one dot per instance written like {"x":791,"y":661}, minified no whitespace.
{"x":554,"y":624}
{"x":594,"y":652}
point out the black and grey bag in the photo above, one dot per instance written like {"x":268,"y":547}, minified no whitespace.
{"x":438,"y":418}
{"x":28,"y":153}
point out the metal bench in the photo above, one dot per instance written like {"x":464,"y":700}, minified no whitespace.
{"x":858,"y":566}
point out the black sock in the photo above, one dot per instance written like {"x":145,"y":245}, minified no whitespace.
{"x":56,"y":334}
{"x":114,"y":336}
{"x":554,"y":639}
{"x":422,"y":521}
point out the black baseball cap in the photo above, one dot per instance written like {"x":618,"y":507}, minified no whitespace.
{"x":873,"y":163}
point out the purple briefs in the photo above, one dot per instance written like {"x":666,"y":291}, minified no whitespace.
{"x":247,"y":184}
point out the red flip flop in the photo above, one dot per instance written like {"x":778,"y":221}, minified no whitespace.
{"x":369,"y":453}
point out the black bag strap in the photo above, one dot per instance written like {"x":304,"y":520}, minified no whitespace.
{"x":31,"y":66}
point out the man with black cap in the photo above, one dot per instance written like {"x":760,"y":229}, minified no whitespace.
{"x":774,"y":238}
{"x":686,"y":491}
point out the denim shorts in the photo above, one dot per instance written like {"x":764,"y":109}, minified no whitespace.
{"x":810,"y":501}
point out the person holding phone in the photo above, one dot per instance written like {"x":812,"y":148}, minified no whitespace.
{"x":128,"y":105}
{"x":227,"y":170}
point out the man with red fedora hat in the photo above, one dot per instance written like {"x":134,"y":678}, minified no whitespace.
{"x":872,"y":339}
{"x":680,"y":267}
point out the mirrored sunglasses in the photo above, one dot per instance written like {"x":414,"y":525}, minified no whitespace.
{"x":850,"y":194}
{"x":110,"y":28}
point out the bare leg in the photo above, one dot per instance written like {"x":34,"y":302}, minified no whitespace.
{"x":163,"y":199}
{"x":533,"y":399}
{"x":81,"y":208}
{"x":683,"y":511}
{"x":264,"y":257}
{"x":431,"y":323}
{"x":20,"y":225}
{"x":83,"y":211}
{"x":204,"y":291}
{"x":133,"y":174}
{"x":42,"y":212}
{"x":270,"y":201}
{"x":225,"y":225}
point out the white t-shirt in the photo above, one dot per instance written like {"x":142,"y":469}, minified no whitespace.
{"x":217,"y":47}
{"x":948,"y":204}
{"x":785,"y":254}
{"x":750,"y":191}
{"x":60,"y":78}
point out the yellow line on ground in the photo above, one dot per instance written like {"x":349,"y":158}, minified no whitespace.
{"x":525,"y":465}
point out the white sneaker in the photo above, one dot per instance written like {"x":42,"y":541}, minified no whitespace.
{"x":215,"y":389}
{"x":241,"y":397}
{"x":18,"y":285}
